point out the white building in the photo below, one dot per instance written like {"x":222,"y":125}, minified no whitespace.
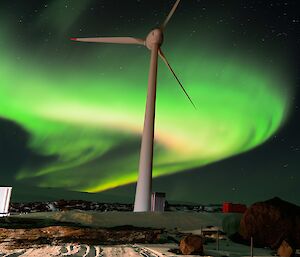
{"x":158,"y":201}
{"x":5,"y":194}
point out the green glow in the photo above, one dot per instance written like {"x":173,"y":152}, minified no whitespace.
{"x":90,"y":114}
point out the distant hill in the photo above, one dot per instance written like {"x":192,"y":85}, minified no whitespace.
{"x":23,"y":193}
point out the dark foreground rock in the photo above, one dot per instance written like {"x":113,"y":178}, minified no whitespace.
{"x":25,"y":238}
{"x":191,"y":244}
{"x":272,"y":222}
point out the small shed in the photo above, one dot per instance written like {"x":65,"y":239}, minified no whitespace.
{"x":158,"y":201}
{"x":5,"y":194}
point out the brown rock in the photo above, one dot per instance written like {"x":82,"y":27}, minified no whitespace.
{"x":271,"y":222}
{"x":191,"y":244}
{"x":61,"y":234}
{"x":285,"y":250}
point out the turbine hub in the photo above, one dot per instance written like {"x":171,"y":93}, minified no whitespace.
{"x":155,"y":37}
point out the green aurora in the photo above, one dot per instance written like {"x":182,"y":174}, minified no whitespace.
{"x":87,"y":112}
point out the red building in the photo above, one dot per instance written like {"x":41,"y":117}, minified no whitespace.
{"x":232,"y":207}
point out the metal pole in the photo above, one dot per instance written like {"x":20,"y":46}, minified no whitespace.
{"x":251,"y":247}
{"x":218,"y":243}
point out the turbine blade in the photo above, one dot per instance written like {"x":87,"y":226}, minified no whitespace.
{"x":162,"y":56}
{"x":163,"y":26}
{"x":114,"y":40}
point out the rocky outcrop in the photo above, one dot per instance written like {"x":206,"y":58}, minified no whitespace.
{"x":65,"y":205}
{"x":191,"y":244}
{"x":52,"y":235}
{"x":271,"y":222}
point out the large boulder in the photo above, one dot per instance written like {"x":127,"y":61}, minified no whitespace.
{"x":191,"y":244}
{"x":271,"y":222}
{"x":285,"y":250}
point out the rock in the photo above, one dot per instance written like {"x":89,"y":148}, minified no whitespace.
{"x":271,"y":222}
{"x":285,"y":250}
{"x":26,"y":237}
{"x":191,"y":244}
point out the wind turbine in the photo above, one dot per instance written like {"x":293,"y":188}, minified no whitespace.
{"x":153,"y":42}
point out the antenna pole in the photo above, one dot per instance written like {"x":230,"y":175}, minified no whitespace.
{"x":144,"y":185}
{"x":218,"y":240}
{"x":251,"y":246}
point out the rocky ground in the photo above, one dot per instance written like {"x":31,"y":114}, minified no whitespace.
{"x":22,"y":234}
{"x":81,"y":233}
{"x":273,"y":224}
{"x":127,"y":250}
{"x":67,"y":205}
{"x":79,"y":250}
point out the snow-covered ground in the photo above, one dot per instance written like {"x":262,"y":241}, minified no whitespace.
{"x":172,"y":221}
{"x":226,"y":248}
{"x":168,"y":220}
{"x":155,"y":250}
{"x":75,"y":250}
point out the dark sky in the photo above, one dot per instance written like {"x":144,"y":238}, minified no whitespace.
{"x":36,"y":54}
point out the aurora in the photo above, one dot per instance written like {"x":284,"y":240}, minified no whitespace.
{"x":88,"y":115}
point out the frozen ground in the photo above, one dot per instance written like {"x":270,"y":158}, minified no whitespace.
{"x":178,"y":221}
{"x":158,"y":250}
{"x":168,"y":220}
{"x":72,"y":250}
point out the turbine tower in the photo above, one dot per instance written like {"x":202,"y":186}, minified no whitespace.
{"x":153,"y":42}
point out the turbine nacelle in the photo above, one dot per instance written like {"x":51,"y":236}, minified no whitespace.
{"x":155,"y":37}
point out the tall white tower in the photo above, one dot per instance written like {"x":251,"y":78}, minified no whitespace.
{"x":153,"y":42}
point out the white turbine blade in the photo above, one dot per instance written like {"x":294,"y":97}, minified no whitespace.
{"x":170,"y":14}
{"x":114,"y":40}
{"x":162,"y":56}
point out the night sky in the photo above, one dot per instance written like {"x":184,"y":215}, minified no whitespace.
{"x":71,"y":113}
